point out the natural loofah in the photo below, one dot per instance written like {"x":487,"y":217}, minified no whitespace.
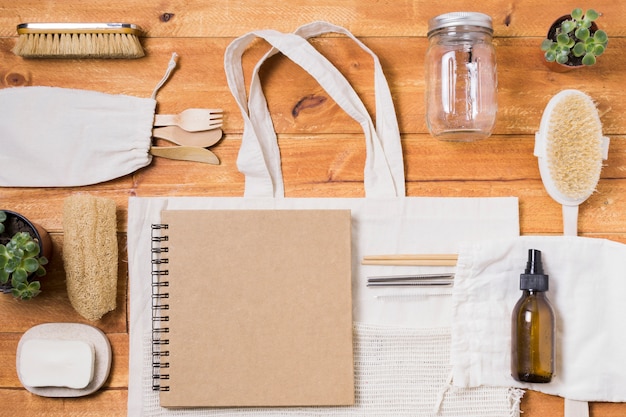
{"x":90,"y":254}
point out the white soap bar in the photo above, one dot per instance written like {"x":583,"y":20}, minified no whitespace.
{"x":56,"y":363}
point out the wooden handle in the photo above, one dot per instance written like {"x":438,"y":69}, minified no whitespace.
{"x":165,"y":119}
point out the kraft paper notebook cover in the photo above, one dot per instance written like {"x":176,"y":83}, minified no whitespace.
{"x":260,"y":308}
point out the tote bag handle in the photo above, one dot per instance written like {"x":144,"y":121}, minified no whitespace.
{"x":259,"y":156}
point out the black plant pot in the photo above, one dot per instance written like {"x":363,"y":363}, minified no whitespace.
{"x":15,"y":223}
{"x":573,"y":61}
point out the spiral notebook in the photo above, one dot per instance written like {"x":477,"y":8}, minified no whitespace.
{"x":252,"y":308}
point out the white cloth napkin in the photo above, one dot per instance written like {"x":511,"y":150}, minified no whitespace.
{"x":587,"y":286}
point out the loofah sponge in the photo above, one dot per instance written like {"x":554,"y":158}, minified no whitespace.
{"x":90,"y":254}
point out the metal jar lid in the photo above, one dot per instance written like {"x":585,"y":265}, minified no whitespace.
{"x":459,"y":19}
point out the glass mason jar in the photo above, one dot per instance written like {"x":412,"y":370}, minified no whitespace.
{"x":461,"y":79}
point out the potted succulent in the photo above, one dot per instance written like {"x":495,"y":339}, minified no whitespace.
{"x":575,"y":40}
{"x":24,"y":250}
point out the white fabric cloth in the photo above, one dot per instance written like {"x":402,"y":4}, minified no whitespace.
{"x":54,"y":137}
{"x":397,"y":321}
{"x":586,"y":290}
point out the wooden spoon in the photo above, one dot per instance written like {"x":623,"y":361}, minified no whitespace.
{"x":186,"y":153}
{"x":192,"y":120}
{"x":179,"y":136}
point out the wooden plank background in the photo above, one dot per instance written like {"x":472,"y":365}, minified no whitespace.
{"x":322,"y":148}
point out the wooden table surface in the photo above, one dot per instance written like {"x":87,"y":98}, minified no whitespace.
{"x":322,"y":148}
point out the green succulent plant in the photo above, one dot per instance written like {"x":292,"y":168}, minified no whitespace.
{"x":19,"y":258}
{"x":575,"y":39}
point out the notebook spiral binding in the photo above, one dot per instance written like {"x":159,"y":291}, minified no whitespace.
{"x":160,"y":306}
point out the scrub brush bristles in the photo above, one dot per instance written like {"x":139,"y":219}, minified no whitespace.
{"x":78,"y":40}
{"x":574,"y":146}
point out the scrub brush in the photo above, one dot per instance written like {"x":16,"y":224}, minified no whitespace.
{"x":78,"y":40}
{"x":570,"y":150}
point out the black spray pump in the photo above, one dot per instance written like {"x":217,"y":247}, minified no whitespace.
{"x":532,"y":327}
{"x":533,"y":278}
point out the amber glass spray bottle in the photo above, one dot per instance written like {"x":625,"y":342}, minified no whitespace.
{"x":533,"y":322}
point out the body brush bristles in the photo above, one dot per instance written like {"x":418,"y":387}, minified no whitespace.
{"x":78,"y":40}
{"x":574,"y":146}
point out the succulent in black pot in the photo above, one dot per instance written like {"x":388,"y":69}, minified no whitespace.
{"x":24,"y":251}
{"x":575,"y":40}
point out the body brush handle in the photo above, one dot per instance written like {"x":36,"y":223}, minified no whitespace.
{"x":570,"y":220}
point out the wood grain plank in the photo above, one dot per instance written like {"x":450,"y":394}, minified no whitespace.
{"x":200,"y":81}
{"x":322,"y":148}
{"x":536,"y":403}
{"x":333,"y":167}
{"x":104,"y":403}
{"x":197,"y":18}
{"x":28,"y":201}
{"x":113,"y":403}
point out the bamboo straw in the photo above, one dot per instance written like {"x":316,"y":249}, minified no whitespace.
{"x":411,"y":260}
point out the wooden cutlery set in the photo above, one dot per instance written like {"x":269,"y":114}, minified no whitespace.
{"x":193,"y":131}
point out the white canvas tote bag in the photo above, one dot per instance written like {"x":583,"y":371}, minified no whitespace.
{"x":401,"y":337}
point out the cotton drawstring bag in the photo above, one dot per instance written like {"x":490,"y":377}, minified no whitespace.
{"x":587,"y":287}
{"x":55,"y":137}
{"x":401,"y":339}
{"x":61,"y":137}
